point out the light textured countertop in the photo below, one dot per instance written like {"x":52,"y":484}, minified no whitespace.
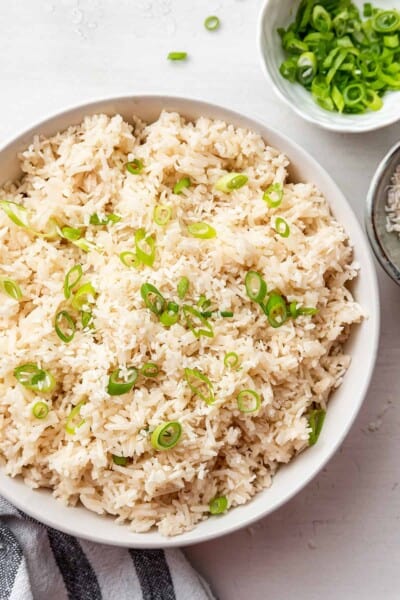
{"x":340,"y":537}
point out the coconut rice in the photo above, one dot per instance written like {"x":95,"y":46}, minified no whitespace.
{"x":294,"y":368}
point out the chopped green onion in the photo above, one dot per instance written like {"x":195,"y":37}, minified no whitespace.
{"x":70,"y":233}
{"x":218,"y":505}
{"x":315,"y":421}
{"x":86,"y":245}
{"x":386,"y":21}
{"x":11,"y":288}
{"x":118,"y":384}
{"x":121,"y":461}
{"x":153,"y":299}
{"x":354,"y":94}
{"x":181,"y":185}
{"x":202,"y":302}
{"x":170,"y":315}
{"x":87,"y":319}
{"x":306,"y":68}
{"x":135,"y":166}
{"x":231,"y":181}
{"x":145,"y":247}
{"x":204,"y":388}
{"x":130,"y":260}
{"x":110,"y":218}
{"x":248,"y":401}
{"x":307,"y":310}
{"x":231,"y":360}
{"x":282,"y":227}
{"x":293,"y":310}
{"x":150,"y":369}
{"x":182,"y":287}
{"x":256,"y":288}
{"x":226,"y":313}
{"x":166,"y":435}
{"x":367,"y":9}
{"x":71,"y":426}
{"x":391,"y":41}
{"x":202,"y":230}
{"x":321,"y":19}
{"x":33,"y":378}
{"x":72,"y":279}
{"x":16,"y":212}
{"x":65,"y":326}
{"x":162,"y":214}
{"x":84,"y":295}
{"x":273,"y":195}
{"x":212,"y":23}
{"x":177,"y":56}
{"x":40,"y":410}
{"x":197,"y":323}
{"x":276,"y":310}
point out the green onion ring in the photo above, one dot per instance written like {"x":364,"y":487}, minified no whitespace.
{"x":145,"y":247}
{"x":212,"y":23}
{"x":231,"y":360}
{"x":33,"y":378}
{"x":40,"y":410}
{"x":153,"y":299}
{"x":276,"y":310}
{"x":201,"y":230}
{"x":129,"y":259}
{"x":231,"y":181}
{"x":197,"y":323}
{"x":150,"y":369}
{"x":84,"y":295}
{"x":273,"y":195}
{"x":11,"y":288}
{"x":118,"y":385}
{"x":281,"y":227}
{"x":75,"y":412}
{"x":72,"y":279}
{"x":62,"y":324}
{"x":218,"y":505}
{"x":135,"y":166}
{"x":181,"y":185}
{"x":248,"y":401}
{"x":204,"y":389}
{"x":166,"y":435}
{"x":256,"y":288}
{"x":162,"y":214}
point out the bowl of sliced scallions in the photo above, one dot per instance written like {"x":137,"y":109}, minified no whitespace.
{"x":335,"y":62}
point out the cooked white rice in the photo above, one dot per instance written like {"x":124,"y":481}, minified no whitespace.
{"x":222,"y":451}
{"x":393,"y":204}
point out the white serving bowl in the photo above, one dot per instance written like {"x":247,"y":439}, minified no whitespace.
{"x":344,"y":404}
{"x":280,"y":13}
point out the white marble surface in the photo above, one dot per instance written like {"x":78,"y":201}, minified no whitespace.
{"x":339,"y":538}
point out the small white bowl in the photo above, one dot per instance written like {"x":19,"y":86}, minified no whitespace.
{"x":280,"y":13}
{"x":344,"y":403}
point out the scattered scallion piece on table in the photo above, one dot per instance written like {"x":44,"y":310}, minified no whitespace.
{"x":74,"y":419}
{"x":248,"y":401}
{"x":11,"y":288}
{"x":166,"y":435}
{"x":200,"y":385}
{"x":40,"y":410}
{"x":315,"y":420}
{"x":135,"y":166}
{"x":212,"y":23}
{"x":118,"y":384}
{"x":202,"y":230}
{"x":65,"y":326}
{"x":33,"y":378}
{"x":181,"y":185}
{"x":177,"y":55}
{"x":218,"y":505}
{"x":231,"y":181}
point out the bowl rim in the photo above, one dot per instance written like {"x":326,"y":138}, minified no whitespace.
{"x":379,"y":249}
{"x":198,"y":537}
{"x":329,"y":126}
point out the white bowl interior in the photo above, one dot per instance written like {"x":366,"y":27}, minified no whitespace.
{"x":280,"y":14}
{"x":344,"y":405}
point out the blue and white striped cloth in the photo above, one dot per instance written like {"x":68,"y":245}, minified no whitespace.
{"x":40,"y":563}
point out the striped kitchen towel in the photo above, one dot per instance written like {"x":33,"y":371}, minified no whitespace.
{"x":40,"y":563}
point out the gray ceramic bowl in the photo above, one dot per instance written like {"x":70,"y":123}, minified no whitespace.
{"x":385,"y":245}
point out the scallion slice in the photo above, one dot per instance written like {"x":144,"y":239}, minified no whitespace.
{"x":87,"y":319}
{"x":315,"y":421}
{"x":212,"y":23}
{"x":40,"y":410}
{"x":121,"y":461}
{"x":150,"y":369}
{"x":84,"y":295}
{"x":71,"y":234}
{"x":282,"y":227}
{"x":256,"y":288}
{"x":200,"y":385}
{"x":177,"y":55}
{"x":197,"y":323}
{"x":182,"y":288}
{"x":111,"y":218}
{"x":166,"y":435}
{"x":72,"y":279}
{"x":231,"y":360}
{"x":72,"y":423}
{"x":182,"y":184}
{"x":276,"y":310}
{"x":231,"y":181}
{"x":386,"y":21}
{"x":273,"y":195}
{"x":135,"y":166}
{"x":119,"y":384}
{"x":130,"y":260}
{"x":33,"y":378}
{"x":145,"y":247}
{"x":162,"y":214}
{"x":202,"y":230}
{"x":226,"y":313}
{"x":170,"y":315}
{"x":153,"y":299}
{"x":248,"y":401}
{"x":11,"y":288}
{"x":65,"y":326}
{"x":16,"y":212}
{"x":218,"y":505}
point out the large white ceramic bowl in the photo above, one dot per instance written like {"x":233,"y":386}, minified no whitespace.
{"x":345,"y":403}
{"x":280,"y":13}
